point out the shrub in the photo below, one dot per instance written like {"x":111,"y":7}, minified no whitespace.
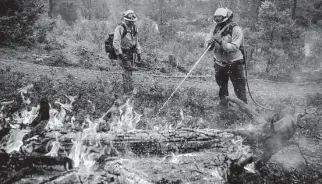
{"x":17,"y":19}
{"x":280,"y":42}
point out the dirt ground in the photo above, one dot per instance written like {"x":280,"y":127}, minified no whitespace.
{"x":270,"y":94}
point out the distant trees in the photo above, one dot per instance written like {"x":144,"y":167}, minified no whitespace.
{"x":17,"y":19}
{"x":274,"y":29}
{"x":68,"y":11}
{"x":278,"y":40}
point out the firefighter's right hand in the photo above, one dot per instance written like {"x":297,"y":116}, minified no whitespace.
{"x":121,"y":56}
{"x":213,"y":41}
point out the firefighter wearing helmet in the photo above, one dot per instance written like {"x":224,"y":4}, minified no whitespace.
{"x":127,"y":47}
{"x":226,"y":41}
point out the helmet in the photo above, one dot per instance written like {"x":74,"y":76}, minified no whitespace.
{"x":222,"y":15}
{"x":129,"y":15}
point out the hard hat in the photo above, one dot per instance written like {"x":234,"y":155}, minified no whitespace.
{"x":224,"y":13}
{"x":129,"y":15}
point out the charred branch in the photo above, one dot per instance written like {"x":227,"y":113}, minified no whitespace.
{"x":275,"y":136}
{"x":43,"y":112}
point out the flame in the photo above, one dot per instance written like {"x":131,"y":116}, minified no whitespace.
{"x":28,"y":116}
{"x":72,"y":120}
{"x":53,"y":123}
{"x":83,"y":156}
{"x":71,"y":99}
{"x":62,"y":114}
{"x":14,"y":142}
{"x":4,"y":104}
{"x":127,"y":119}
{"x":88,"y":158}
{"x":92,"y":126}
{"x":24,"y":90}
{"x":92,"y":153}
{"x":25,"y":117}
{"x":250,"y":168}
{"x":238,"y":150}
{"x":24,"y":100}
{"x":55,"y":148}
{"x":57,"y":118}
{"x":76,"y":150}
{"x":215,"y":173}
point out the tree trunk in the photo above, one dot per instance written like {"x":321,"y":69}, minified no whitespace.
{"x":257,"y":7}
{"x":294,"y":9}
{"x":50,"y":12}
{"x":126,"y":4}
{"x":161,"y":4}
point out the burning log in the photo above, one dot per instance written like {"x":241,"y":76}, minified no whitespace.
{"x":11,"y":177}
{"x":22,"y":161}
{"x":155,"y":142}
{"x":17,"y":167}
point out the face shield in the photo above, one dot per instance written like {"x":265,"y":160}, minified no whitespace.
{"x":218,"y":18}
{"x":130,"y":17}
{"x":222,"y":15}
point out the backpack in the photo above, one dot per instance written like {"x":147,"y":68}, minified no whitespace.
{"x":229,"y":30}
{"x":109,"y":49}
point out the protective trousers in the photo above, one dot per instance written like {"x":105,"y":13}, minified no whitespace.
{"x":127,"y":65}
{"x":234,"y":72}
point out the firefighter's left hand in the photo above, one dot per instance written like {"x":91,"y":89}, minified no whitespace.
{"x":226,"y":39}
{"x":214,"y":39}
{"x":225,"y":42}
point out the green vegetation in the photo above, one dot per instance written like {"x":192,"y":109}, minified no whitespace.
{"x":282,"y":37}
{"x":58,"y":46}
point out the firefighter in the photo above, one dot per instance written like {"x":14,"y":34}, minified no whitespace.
{"x":226,"y":39}
{"x":127,"y":47}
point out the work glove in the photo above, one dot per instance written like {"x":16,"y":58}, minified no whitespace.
{"x":121,"y":56}
{"x":215,"y":39}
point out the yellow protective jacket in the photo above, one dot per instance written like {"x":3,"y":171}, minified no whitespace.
{"x":229,"y":50}
{"x":128,"y":43}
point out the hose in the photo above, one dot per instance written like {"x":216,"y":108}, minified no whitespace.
{"x":248,"y":88}
{"x":184,"y":79}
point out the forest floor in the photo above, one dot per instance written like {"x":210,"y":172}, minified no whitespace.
{"x":276,"y":95}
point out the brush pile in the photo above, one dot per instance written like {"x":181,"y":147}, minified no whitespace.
{"x":42,"y":144}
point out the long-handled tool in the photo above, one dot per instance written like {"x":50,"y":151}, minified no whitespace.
{"x":184,"y":79}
